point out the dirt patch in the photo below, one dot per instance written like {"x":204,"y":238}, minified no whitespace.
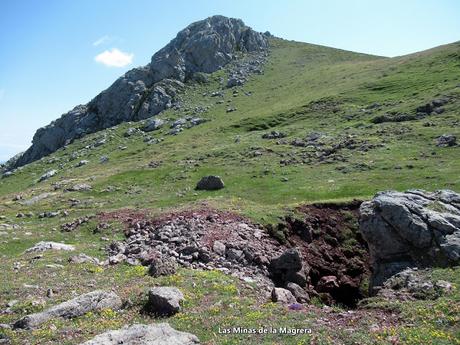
{"x":126,"y":216}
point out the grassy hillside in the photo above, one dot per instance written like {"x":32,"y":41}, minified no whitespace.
{"x":305,"y":89}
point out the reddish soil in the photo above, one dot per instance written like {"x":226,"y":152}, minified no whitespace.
{"x":331,"y":245}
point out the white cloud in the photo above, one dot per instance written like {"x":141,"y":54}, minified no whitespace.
{"x":114,"y":58}
{"x":101,"y":40}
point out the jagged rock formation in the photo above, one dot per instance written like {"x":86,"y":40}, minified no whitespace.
{"x":411,"y":229}
{"x":204,"y":46}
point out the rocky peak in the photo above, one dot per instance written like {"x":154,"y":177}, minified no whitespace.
{"x":204,"y":46}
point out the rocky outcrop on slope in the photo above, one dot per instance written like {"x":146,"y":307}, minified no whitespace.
{"x":411,"y":229}
{"x":204,"y":46}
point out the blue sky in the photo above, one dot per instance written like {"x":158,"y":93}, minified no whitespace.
{"x":55,"y":54}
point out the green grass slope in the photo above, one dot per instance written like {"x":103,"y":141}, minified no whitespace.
{"x":304,"y":89}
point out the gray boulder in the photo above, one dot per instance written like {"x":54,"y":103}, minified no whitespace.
{"x":411,"y":229}
{"x":283,"y":296}
{"x":81,"y":163}
{"x":83,"y":258}
{"x":178,"y":123}
{"x":80,"y":187}
{"x":413,"y":284}
{"x":300,"y":294}
{"x":93,"y":301}
{"x":210,"y":183}
{"x":219,"y":248}
{"x":137,"y":334}
{"x":287,"y":268}
{"x":446,"y":140}
{"x":153,"y":125}
{"x":130,"y":132}
{"x":47,"y":175}
{"x":164,"y":300}
{"x":44,"y":246}
{"x":162,"y":266}
{"x":7,"y":174}
{"x":197,"y":121}
{"x":204,"y":46}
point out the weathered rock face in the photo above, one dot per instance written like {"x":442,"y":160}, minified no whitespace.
{"x":204,"y":46}
{"x":411,"y":229}
{"x":160,"y":333}
{"x":93,"y":301}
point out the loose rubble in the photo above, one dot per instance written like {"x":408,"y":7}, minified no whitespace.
{"x":204,"y":239}
{"x":208,"y":239}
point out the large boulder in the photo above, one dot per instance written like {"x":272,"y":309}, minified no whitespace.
{"x":300,"y":294}
{"x":92,"y":301}
{"x":287,"y":268}
{"x":137,"y":334}
{"x":47,"y":175}
{"x":283,"y":296}
{"x":164,"y":300}
{"x":204,"y":46}
{"x":153,"y":125}
{"x":411,"y":229}
{"x":210,"y":183}
{"x":446,"y":140}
